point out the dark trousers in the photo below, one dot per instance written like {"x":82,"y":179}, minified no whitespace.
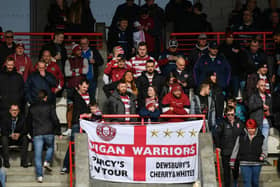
{"x":22,"y":141}
{"x":227,"y":170}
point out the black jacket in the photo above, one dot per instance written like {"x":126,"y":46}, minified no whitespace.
{"x":79,"y":106}
{"x":142,"y":84}
{"x":185,"y":76}
{"x":11,"y":90}
{"x":226,"y":135}
{"x":5,"y":51}
{"x":6,"y":125}
{"x":250,"y":150}
{"x":42,"y":119}
{"x":35,"y":83}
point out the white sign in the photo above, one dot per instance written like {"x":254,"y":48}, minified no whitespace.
{"x":164,"y":153}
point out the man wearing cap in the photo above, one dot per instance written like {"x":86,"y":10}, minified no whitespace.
{"x":212,"y":62}
{"x":167,"y":59}
{"x":23,"y":63}
{"x":7,"y":47}
{"x":200,"y":49}
{"x":176,"y":102}
{"x":237,"y":59}
{"x":252,"y":80}
{"x":76,"y":68}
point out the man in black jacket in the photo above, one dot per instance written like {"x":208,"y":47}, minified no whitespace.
{"x":11,"y":89}
{"x":39,"y":80}
{"x":150,"y":77}
{"x":57,"y":49}
{"x":8,"y":47}
{"x":43,"y":124}
{"x":225,"y":138}
{"x":13,"y":132}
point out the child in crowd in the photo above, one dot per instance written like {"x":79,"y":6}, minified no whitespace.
{"x":151,"y":109}
{"x":95,"y":113}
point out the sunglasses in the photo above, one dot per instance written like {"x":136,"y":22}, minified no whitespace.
{"x":230,"y":114}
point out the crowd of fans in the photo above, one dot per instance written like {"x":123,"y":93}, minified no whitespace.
{"x":233,"y":86}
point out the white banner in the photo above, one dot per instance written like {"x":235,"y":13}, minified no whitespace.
{"x":164,"y":153}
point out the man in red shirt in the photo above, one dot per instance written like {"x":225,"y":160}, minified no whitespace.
{"x":23,"y":63}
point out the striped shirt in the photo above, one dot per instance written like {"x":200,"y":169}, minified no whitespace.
{"x":126,"y":101}
{"x":267,"y":86}
{"x":86,"y":98}
{"x":139,"y":65}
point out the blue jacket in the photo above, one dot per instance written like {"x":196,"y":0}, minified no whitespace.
{"x":35,"y":83}
{"x":205,"y":66}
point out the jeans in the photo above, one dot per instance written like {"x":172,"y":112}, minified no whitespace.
{"x":39,"y":142}
{"x":251,"y":175}
{"x":265,"y":131}
{"x":75,"y":129}
{"x":2,"y":177}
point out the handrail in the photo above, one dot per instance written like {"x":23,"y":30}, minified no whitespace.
{"x":218,"y":168}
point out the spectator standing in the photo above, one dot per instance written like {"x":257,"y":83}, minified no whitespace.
{"x":260,"y":109}
{"x":80,"y":17}
{"x":40,"y":80}
{"x":183,"y":74}
{"x":138,"y":62}
{"x":238,"y":61}
{"x":200,"y":49}
{"x":273,"y":23}
{"x":148,"y":78}
{"x":127,"y":10}
{"x":23,"y":63}
{"x":11,"y":89}
{"x":57,"y":16}
{"x":76,"y":67}
{"x":176,"y":102}
{"x":80,"y":100}
{"x":54,"y":69}
{"x":43,"y":125}
{"x":94,"y":61}
{"x":251,"y":151}
{"x":13,"y":132}
{"x":7,"y":47}
{"x":158,"y":16}
{"x":122,"y":102}
{"x":57,"y":49}
{"x":255,"y":57}
{"x":212,"y":62}
{"x":225,"y":138}
{"x":121,"y":36}
{"x":203,"y":103}
{"x":167,"y":59}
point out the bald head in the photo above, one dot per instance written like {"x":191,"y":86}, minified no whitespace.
{"x":181,"y":63}
{"x":261,"y":86}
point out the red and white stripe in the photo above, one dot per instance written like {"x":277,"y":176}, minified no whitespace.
{"x":126,"y":102}
{"x":139,"y":64}
{"x":86,"y":98}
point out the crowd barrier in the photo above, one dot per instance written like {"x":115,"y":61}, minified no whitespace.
{"x":33,"y":42}
{"x":187,"y":41}
{"x":107,"y":116}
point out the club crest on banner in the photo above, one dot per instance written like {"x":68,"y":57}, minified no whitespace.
{"x":106,"y":132}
